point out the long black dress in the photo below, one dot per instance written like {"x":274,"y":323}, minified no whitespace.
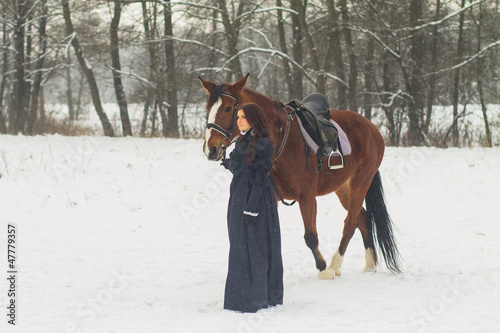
{"x":255,"y":271}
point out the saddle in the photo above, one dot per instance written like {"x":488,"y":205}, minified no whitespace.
{"x":314,"y":117}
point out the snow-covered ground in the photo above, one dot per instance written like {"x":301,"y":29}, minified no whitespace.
{"x":129,"y":235}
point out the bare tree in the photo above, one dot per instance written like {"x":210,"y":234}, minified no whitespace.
{"x":115,"y":61}
{"x":434,"y":65}
{"x":313,"y":52}
{"x":232,"y":31}
{"x":283,"y":45}
{"x":20,"y":92}
{"x":369,"y":69}
{"x":480,"y":71}
{"x":456,"y":76}
{"x":412,"y":75}
{"x":353,"y":66}
{"x":69,"y":88}
{"x":36,"y":87}
{"x":335,"y":54}
{"x":172,"y":129}
{"x":87,"y":70}
{"x":297,"y":74}
{"x":5,"y":66}
{"x":150,"y":91}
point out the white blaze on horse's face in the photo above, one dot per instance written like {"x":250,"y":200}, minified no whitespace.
{"x":211,"y":120}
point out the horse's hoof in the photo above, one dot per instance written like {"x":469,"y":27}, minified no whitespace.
{"x":337,"y":272}
{"x":327,"y":274}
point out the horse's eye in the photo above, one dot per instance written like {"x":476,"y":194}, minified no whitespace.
{"x":228,"y":109}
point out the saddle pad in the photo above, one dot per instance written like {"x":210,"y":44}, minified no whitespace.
{"x":344,"y":141}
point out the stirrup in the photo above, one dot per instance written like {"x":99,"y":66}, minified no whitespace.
{"x":335,"y":153}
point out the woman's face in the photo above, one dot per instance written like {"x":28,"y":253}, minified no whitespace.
{"x":242,"y":121}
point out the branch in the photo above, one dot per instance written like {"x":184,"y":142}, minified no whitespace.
{"x":467,"y":61}
{"x":181,"y":40}
{"x":211,"y":69}
{"x":70,"y":37}
{"x":380,"y":41}
{"x":193,"y":4}
{"x":273,"y":53}
{"x":149,"y":83}
{"x":420,"y":27}
{"x":268,"y":42}
{"x":264,"y":10}
{"x":336,"y":78}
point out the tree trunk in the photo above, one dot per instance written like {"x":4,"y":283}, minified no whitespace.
{"x":369,"y":79}
{"x":115,"y":63}
{"x":480,"y":73}
{"x":369,"y":67}
{"x":69,"y":88}
{"x":387,"y":105}
{"x":212,"y":60}
{"x":152,"y":66}
{"x":434,"y":67}
{"x":413,"y":77}
{"x":232,"y":31}
{"x":172,"y":101}
{"x":282,"y":38}
{"x":335,"y":54}
{"x":320,"y":77}
{"x":39,"y":65}
{"x":297,"y":75}
{"x":456,"y":76}
{"x":3,"y":83}
{"x":353,"y":67}
{"x":78,"y":110}
{"x":87,"y":71}
{"x":20,"y":93}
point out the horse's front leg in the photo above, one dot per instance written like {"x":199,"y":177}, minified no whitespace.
{"x":308,"y":209}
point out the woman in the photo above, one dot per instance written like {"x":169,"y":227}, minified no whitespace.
{"x":255,"y":270}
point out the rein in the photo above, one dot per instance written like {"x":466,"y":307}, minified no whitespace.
{"x":280,"y":147}
{"x":281,"y":144}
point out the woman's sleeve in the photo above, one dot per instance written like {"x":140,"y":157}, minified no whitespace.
{"x":260,"y":167}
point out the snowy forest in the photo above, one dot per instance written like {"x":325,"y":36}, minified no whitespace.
{"x":399,"y":63}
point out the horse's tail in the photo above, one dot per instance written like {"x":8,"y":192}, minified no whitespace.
{"x":381,"y":224}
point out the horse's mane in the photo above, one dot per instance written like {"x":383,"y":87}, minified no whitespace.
{"x":256,"y":95}
{"x":215,"y":94}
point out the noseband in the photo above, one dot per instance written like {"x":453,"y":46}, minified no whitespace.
{"x":227,"y":133}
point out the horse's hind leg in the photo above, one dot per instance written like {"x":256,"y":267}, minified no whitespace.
{"x":308,"y":209}
{"x":366,"y":233}
{"x":356,"y":218}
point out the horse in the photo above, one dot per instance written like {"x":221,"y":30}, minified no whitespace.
{"x":359,"y":180}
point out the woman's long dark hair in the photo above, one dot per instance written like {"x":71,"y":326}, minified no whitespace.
{"x":258,"y":123}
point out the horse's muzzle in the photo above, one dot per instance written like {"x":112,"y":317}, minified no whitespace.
{"x":214,"y":154}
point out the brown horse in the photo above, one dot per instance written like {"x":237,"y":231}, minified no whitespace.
{"x":358,"y":181}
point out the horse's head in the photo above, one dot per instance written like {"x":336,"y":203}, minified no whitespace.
{"x":223,"y":101}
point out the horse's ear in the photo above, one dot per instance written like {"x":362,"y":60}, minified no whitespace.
{"x":207,"y":85}
{"x":238,"y":86}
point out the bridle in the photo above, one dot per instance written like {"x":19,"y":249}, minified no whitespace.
{"x":229,"y":132}
{"x":281,"y":143}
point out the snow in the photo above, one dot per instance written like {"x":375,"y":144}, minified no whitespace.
{"x":129,"y":235}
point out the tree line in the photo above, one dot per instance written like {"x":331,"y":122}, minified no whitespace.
{"x":397,"y":58}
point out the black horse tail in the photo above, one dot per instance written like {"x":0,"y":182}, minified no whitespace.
{"x":380,"y":223}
